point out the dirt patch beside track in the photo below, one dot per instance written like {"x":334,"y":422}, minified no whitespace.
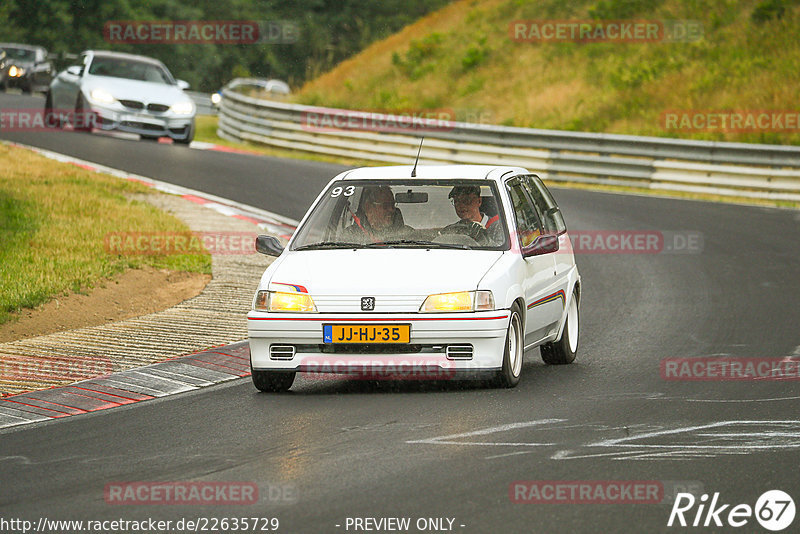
{"x":133,"y":293}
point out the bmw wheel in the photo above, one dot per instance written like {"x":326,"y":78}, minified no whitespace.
{"x":51,"y":119}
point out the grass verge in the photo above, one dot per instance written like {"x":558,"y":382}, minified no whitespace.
{"x":53,"y":220}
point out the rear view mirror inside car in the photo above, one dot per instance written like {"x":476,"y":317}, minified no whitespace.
{"x":410,"y":197}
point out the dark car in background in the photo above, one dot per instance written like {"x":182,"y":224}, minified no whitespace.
{"x":25,"y":67}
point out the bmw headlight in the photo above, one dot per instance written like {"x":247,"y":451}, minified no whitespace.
{"x":101,"y":96}
{"x":182,"y":108}
{"x":459,"y":301}
{"x":15,"y":72}
{"x":275,"y":301}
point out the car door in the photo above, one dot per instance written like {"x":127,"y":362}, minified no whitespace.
{"x":553,"y":222}
{"x":543,"y":301}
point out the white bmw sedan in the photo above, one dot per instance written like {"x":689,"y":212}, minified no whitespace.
{"x":125,"y":92}
{"x":436,"y":272}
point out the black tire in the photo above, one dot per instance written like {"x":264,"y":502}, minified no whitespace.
{"x":79,"y":121}
{"x":50,"y":119}
{"x":508,"y":376}
{"x":189,"y":138}
{"x":272,"y":381}
{"x":564,"y":350}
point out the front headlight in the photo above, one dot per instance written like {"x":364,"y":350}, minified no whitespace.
{"x":101,"y":96}
{"x":15,"y":71}
{"x":458,"y":301}
{"x":182,"y":108}
{"x":283,"y":302}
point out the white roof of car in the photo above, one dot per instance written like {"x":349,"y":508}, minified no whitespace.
{"x":485,"y":172}
{"x":122,"y":55}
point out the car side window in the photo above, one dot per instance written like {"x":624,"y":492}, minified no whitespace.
{"x":546,"y":205}
{"x":527,"y":221}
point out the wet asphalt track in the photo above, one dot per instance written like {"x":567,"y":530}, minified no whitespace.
{"x":363,"y":449}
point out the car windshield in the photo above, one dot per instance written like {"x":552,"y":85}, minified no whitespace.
{"x":458,"y":214}
{"x":130,"y":69}
{"x":20,"y":54}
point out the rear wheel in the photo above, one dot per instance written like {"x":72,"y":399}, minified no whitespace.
{"x":564,"y":350}
{"x":508,"y":376}
{"x":272,"y":381}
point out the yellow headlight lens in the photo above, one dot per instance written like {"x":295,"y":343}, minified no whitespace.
{"x":284,"y":302}
{"x":458,"y":301}
{"x":102,"y":96}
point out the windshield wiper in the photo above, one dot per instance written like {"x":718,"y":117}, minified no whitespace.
{"x":329,"y":244}
{"x":420,"y":242}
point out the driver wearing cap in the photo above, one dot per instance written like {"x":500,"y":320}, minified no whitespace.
{"x":473,"y":222}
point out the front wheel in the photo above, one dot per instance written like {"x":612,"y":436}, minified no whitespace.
{"x":508,"y":376}
{"x":272,"y":381}
{"x":189,"y":136}
{"x":564,"y":350}
{"x":51,"y":119}
{"x":83,"y":119}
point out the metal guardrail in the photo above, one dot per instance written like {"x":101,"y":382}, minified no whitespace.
{"x":732,"y":169}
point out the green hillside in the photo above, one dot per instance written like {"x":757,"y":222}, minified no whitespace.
{"x":463,"y":58}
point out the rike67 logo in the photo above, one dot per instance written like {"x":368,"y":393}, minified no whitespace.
{"x":774,"y":510}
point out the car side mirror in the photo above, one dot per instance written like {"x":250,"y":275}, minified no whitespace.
{"x":183,"y":84}
{"x":544,"y":244}
{"x":74,"y":70}
{"x":269,"y":245}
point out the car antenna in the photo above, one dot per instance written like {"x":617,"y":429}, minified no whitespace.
{"x":414,"y":170}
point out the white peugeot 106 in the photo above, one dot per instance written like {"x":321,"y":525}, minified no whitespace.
{"x":431,"y":272}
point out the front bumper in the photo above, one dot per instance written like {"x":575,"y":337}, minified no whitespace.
{"x":143,"y":123}
{"x":441,"y":345}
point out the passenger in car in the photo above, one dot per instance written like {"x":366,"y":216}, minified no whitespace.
{"x":467,"y":202}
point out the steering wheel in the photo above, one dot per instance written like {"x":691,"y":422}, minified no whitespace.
{"x":468,"y":228}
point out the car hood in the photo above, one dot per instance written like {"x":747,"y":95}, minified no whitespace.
{"x":337,"y":279}
{"x":147,"y":92}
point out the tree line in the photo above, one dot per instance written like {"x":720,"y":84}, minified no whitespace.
{"x":327,"y":32}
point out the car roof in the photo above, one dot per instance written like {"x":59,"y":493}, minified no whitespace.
{"x":122,"y":55}
{"x":428,"y":172}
